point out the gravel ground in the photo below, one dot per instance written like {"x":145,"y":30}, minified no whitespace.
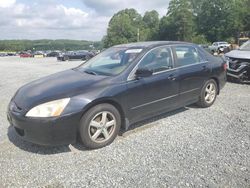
{"x":190,"y":147}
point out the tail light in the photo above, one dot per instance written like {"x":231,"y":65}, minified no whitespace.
{"x":224,"y":66}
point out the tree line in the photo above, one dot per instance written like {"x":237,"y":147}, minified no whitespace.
{"x":38,"y":45}
{"x":198,"y":21}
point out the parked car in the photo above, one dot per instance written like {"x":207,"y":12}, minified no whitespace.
{"x":54,"y":54}
{"x":25,"y":54}
{"x":219,"y":47}
{"x":11,"y":54}
{"x":63,"y":56}
{"x":39,"y":54}
{"x":121,"y":86}
{"x":78,"y":55}
{"x":239,"y":63}
{"x":3,"y":54}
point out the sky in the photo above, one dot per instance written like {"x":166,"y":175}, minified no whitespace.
{"x":65,"y":19}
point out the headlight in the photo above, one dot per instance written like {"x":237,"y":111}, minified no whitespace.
{"x":49,"y":109}
{"x":227,"y":58}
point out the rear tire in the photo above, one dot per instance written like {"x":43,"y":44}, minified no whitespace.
{"x":208,"y":94}
{"x":99,"y":126}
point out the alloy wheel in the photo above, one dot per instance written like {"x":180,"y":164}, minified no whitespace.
{"x":210,"y":93}
{"x":102,"y":126}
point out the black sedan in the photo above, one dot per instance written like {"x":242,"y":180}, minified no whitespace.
{"x":120,"y":86}
{"x":78,"y":55}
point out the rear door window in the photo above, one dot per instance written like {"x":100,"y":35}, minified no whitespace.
{"x":186,"y":55}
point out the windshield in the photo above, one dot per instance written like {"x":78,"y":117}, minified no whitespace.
{"x":245,"y":46}
{"x":110,"y":62}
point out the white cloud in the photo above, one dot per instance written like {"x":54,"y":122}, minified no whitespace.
{"x":50,"y":21}
{"x":112,"y":6}
{"x":53,"y":20}
{"x":7,"y":3}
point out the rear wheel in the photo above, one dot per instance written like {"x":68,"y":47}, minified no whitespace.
{"x":100,"y":126}
{"x":208,"y":94}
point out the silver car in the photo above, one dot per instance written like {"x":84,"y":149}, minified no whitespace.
{"x":239,"y":63}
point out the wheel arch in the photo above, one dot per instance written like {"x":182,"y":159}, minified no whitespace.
{"x":112,"y":102}
{"x":217,"y":82}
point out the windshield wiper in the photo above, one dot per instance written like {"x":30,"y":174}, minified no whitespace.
{"x":90,"y":72}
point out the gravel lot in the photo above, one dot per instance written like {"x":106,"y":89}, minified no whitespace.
{"x":190,"y":147}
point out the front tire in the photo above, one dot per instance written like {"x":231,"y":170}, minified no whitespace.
{"x":99,"y":126}
{"x":208,"y":94}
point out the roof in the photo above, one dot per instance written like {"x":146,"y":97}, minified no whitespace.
{"x":149,"y":44}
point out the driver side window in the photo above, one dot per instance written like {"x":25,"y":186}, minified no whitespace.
{"x":157,"y":60}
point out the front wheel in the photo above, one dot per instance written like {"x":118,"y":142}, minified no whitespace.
{"x":99,"y":126}
{"x":208,"y":94}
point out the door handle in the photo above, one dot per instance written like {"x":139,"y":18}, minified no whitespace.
{"x":171,"y":77}
{"x":204,"y":68}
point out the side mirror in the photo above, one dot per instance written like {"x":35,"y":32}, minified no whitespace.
{"x":142,"y":73}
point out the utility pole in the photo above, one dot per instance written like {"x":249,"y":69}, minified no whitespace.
{"x":138,"y":34}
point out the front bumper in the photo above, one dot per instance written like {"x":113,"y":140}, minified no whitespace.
{"x":45,"y":131}
{"x":239,"y":70}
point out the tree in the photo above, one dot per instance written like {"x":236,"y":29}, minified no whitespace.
{"x":123,"y":27}
{"x":178,"y":24}
{"x":219,"y":19}
{"x":151,"y":23}
{"x":244,"y":13}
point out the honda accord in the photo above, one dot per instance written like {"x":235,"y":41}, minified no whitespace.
{"x":122,"y":85}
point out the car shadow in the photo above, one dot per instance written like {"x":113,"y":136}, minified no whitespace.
{"x":33,"y":148}
{"x":142,"y":124}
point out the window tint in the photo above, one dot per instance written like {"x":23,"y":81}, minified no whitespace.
{"x":157,"y":60}
{"x":186,"y":55}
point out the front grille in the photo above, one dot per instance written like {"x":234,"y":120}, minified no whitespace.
{"x":237,"y":63}
{"x":234,"y":66}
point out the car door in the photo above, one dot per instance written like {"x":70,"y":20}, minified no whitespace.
{"x":193,"y":72}
{"x":157,"y":93}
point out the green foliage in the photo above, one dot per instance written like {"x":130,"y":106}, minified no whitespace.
{"x":178,"y":24}
{"x":199,"y":39}
{"x":23,"y":45}
{"x":214,"y":19}
{"x":129,"y":26}
{"x":199,"y":21}
{"x":123,"y":27}
{"x":244,"y":13}
{"x":151,"y":24}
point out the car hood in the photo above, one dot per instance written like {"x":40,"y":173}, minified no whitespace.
{"x":238,"y":54}
{"x":60,"y":85}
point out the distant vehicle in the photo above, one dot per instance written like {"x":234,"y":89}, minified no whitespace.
{"x":205,"y":47}
{"x":2,"y":54}
{"x":243,"y":37}
{"x":53,"y":54}
{"x":119,"y":87}
{"x":78,"y":55}
{"x":218,"y":47}
{"x":63,"y":56}
{"x":11,"y":54}
{"x":239,"y":63}
{"x":25,"y":54}
{"x":39,"y":54}
{"x":243,"y":40}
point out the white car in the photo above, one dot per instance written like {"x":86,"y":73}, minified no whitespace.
{"x":218,"y":46}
